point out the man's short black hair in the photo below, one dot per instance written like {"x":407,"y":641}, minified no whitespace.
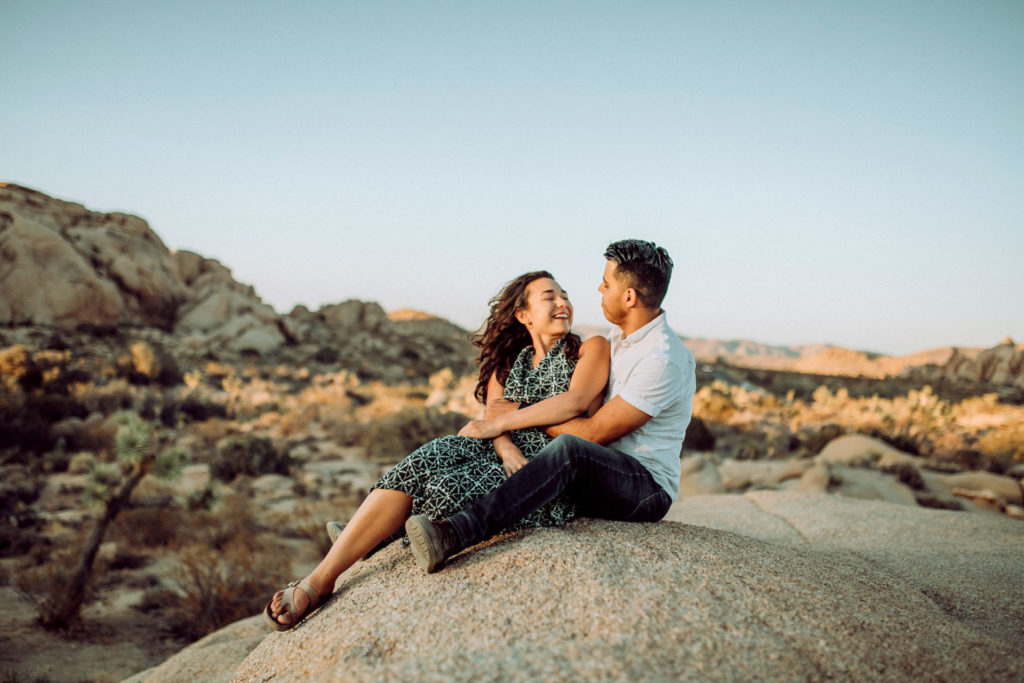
{"x":646,"y":267}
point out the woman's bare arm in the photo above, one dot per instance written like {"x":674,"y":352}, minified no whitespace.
{"x":587,"y":384}
{"x":509,"y":454}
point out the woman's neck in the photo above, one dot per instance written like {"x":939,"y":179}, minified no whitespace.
{"x":541,"y":345}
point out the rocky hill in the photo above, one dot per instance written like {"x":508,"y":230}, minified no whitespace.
{"x":765,"y":586}
{"x":70,"y":268}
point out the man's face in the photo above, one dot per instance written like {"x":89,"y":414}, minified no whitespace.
{"x":613,"y":292}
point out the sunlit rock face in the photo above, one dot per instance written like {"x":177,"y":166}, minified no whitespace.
{"x":64,"y":264}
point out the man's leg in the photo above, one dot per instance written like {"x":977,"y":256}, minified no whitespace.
{"x":602,"y":481}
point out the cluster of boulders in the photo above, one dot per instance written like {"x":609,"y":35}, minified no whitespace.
{"x":68,"y":267}
{"x":1001,"y":365}
{"x":858,"y":466}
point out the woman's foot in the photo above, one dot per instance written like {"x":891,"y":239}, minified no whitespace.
{"x":292,"y":604}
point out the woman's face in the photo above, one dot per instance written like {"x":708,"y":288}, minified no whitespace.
{"x":548,"y":311}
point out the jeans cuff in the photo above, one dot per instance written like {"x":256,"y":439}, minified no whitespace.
{"x":462,"y":524}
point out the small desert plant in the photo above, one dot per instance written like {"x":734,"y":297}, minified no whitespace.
{"x":149,"y":527}
{"x":251,"y":455}
{"x":17,"y":369}
{"x":198,"y":410}
{"x":225,"y":572}
{"x":110,"y":486}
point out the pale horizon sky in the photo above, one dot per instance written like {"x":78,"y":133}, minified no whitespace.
{"x":846,"y":173}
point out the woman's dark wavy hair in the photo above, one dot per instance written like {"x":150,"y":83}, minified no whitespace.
{"x":503,"y":337}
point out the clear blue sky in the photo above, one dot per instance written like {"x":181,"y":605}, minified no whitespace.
{"x":848,"y":172}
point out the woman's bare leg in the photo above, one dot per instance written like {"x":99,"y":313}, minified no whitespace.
{"x":382,"y":513}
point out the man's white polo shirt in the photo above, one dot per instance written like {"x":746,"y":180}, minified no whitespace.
{"x":653,"y":371}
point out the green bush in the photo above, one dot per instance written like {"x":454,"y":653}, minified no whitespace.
{"x":250,"y":455}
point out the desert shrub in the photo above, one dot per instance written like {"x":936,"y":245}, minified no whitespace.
{"x":327,"y":355}
{"x":107,"y":398}
{"x":149,"y":528}
{"x":217,"y":587}
{"x":18,"y":536}
{"x":125,"y":559}
{"x":54,"y":407}
{"x":22,"y":427}
{"x":749,"y":450}
{"x":225,"y":572}
{"x":55,"y":342}
{"x":202,"y":500}
{"x":169,"y":413}
{"x":901,"y":440}
{"x":198,"y":410}
{"x":817,"y":441}
{"x":970,"y":459}
{"x":44,"y":586}
{"x":1005,"y":443}
{"x":251,"y":455}
{"x":930,"y":500}
{"x":698,"y":436}
{"x":392,"y":437}
{"x":148,"y":363}
{"x":99,"y":330}
{"x":17,"y":369}
{"x":714,"y":402}
{"x":907,"y":474}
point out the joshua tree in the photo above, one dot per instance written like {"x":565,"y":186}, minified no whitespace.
{"x":111,"y":485}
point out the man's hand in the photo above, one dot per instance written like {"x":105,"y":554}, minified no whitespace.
{"x":481,"y":429}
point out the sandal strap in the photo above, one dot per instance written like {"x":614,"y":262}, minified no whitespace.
{"x":288,"y":599}
{"x":314,"y":595}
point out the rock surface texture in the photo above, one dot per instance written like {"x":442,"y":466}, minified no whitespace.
{"x":767,"y":585}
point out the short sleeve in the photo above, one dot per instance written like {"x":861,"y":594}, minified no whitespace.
{"x":653,"y":385}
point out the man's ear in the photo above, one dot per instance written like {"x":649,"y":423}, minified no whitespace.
{"x":630,"y":298}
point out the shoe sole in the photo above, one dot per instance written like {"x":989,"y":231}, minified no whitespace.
{"x":334,"y":530}
{"x":424,"y":542}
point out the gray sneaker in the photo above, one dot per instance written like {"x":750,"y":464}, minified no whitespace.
{"x":334,"y":530}
{"x":432,"y":542}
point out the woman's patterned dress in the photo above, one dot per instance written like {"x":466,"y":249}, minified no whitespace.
{"x":443,"y":476}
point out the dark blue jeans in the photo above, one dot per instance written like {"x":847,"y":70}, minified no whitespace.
{"x":603,"y":482}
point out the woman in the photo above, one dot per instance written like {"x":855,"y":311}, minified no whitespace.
{"x":527,"y":355}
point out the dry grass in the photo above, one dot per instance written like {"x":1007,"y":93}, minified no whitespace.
{"x":223,"y":571}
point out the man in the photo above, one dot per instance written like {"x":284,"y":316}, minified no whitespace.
{"x":621,"y":463}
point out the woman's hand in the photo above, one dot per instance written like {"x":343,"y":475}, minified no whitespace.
{"x":482,"y":429}
{"x":511,"y":459}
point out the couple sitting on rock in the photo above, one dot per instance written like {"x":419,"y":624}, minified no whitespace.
{"x":570,"y":428}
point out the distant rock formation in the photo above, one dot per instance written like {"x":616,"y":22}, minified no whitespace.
{"x":768,"y":585}
{"x":64,"y":265}
{"x":1001,"y":365}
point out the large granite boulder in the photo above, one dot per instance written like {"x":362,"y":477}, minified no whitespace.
{"x":766,"y":585}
